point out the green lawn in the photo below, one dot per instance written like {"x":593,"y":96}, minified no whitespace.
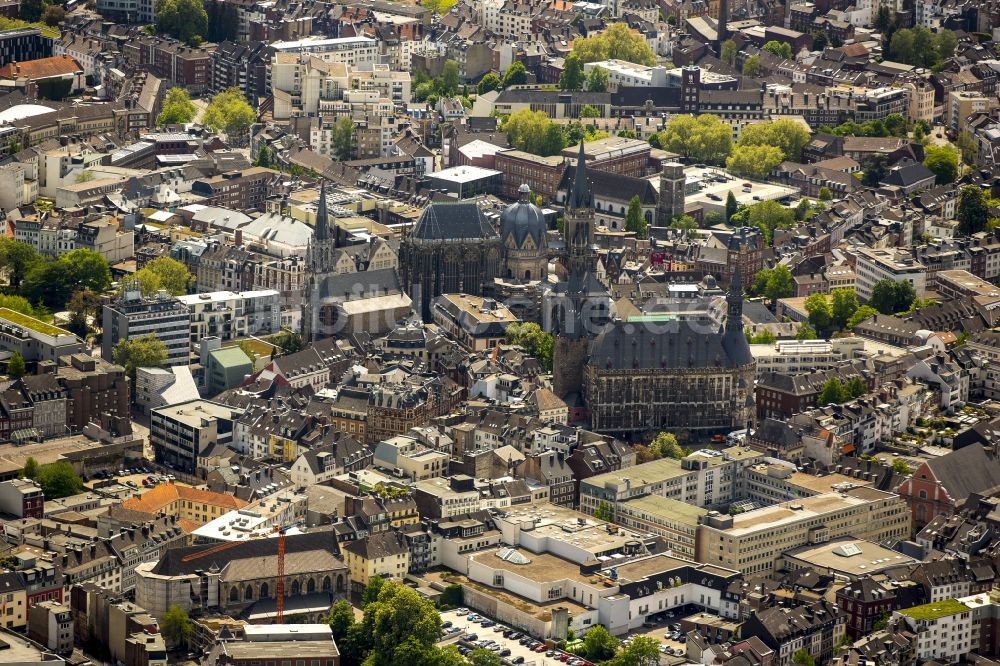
{"x":31,"y":323}
{"x":935,"y":609}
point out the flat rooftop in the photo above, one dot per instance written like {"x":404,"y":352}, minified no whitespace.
{"x":854,"y":557}
{"x":194,"y":412}
{"x":935,"y":609}
{"x":30,"y":323}
{"x":12,"y":458}
{"x":804,"y":508}
{"x":714,"y":185}
{"x":464,"y":174}
{"x":670,"y":509}
{"x":548,"y":521}
{"x":666,"y":468}
{"x":19,"y":650}
{"x":540,"y":567}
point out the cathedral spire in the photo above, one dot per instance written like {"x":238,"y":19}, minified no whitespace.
{"x":581,"y":191}
{"x":322,"y":231}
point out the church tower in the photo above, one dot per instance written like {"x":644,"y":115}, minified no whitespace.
{"x":321,"y":261}
{"x":582,"y":308}
{"x":671,"y":201}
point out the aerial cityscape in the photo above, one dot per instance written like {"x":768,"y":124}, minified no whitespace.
{"x":499,"y":333}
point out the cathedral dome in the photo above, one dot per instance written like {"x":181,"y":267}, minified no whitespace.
{"x":523,"y":219}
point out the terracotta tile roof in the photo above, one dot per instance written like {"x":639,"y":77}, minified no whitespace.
{"x":154,"y":500}
{"x":42,"y":68}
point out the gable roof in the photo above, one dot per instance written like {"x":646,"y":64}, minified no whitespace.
{"x":965,"y":471}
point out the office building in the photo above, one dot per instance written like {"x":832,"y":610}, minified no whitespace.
{"x":131,"y":316}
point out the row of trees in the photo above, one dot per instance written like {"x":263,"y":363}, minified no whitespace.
{"x":534,"y":132}
{"x":837,"y":392}
{"x":663,"y":445}
{"x":228,"y":111}
{"x":186,"y":20}
{"x":893,"y":125}
{"x":922,"y":48}
{"x":764,"y":146}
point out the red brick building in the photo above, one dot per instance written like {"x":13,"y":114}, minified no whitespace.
{"x":936,"y":487}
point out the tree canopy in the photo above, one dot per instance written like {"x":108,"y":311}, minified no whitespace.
{"x":920,"y":47}
{"x":754,"y":161}
{"x":175,"y":626}
{"x":973,"y":210}
{"x":185,"y":20}
{"x":780,"y":49}
{"x":533,"y":339}
{"x":229,"y":112}
{"x":820,"y":312}
{"x":489,"y":82}
{"x":766,"y":216}
{"x":515,"y":75}
{"x":572,"y":74}
{"x":844,"y":303}
{"x":891,"y":296}
{"x":787,"y":135}
{"x":533,"y":132}
{"x":162,"y":273}
{"x":634,"y":220}
{"x":943,"y":161}
{"x":54,"y":282}
{"x":703,"y":138}
{"x":177,"y":108}
{"x":597,"y":79}
{"x":618,"y":42}
{"x":774,"y":283}
{"x":58,"y":480}
{"x":15,"y":366}
{"x":145,"y":352}
{"x":663,"y":445}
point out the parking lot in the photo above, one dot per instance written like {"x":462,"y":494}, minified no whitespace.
{"x":462,"y":629}
{"x":135,"y":477}
{"x":470,"y":634}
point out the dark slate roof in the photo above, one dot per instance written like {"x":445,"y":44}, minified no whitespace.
{"x":172,"y":564}
{"x":966,"y":471}
{"x":523,"y":219}
{"x":625,"y":346}
{"x":640,"y":95}
{"x":908,"y":174}
{"x":453,"y":221}
{"x":616,"y":186}
{"x":355,"y":286}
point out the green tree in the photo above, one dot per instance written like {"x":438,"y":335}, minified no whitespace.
{"x":825,"y":194}
{"x":483,"y":657}
{"x":685,"y":223}
{"x":88,"y":268}
{"x":665,"y":445}
{"x":175,"y":626}
{"x":340,"y":619}
{"x":774,"y":283}
{"x":516,"y":75}
{"x":16,"y":259}
{"x":59,"y":480}
{"x":634,"y":221}
{"x":943,"y":161}
{"x":342,"y":138}
{"x":875,"y":170}
{"x":833,"y":392}
{"x":855,"y":387}
{"x":618,"y":42}
{"x":787,"y":135}
{"x":768,"y":216}
{"x":288,"y":341}
{"x":15,"y":366}
{"x":973,"y":210}
{"x":572,"y":74}
{"x":229,"y":112}
{"x":399,"y":618}
{"x":597,"y":80}
{"x":844,"y":303}
{"x":642,"y":651}
{"x":803,"y":658}
{"x":30,"y":470}
{"x":863,"y":312}
{"x":754,"y":161}
{"x":751,"y":67}
{"x":186,"y":20}
{"x":588,"y":111}
{"x":449,"y":78}
{"x":704,"y":138}
{"x":53,"y":15}
{"x":728,"y":54}
{"x":890,"y":296}
{"x":54,"y":89}
{"x":31,"y":10}
{"x":806,"y":332}
{"x":731,"y":205}
{"x":599,"y":645}
{"x":173,"y":275}
{"x":533,"y":339}
{"x":884,"y":21}
{"x":765,"y":337}
{"x":533,"y":132}
{"x":264,"y":158}
{"x":145,"y":352}
{"x":604,"y":512}
{"x":820,"y":40}
{"x":780,"y":49}
{"x":177,"y":109}
{"x":882,"y":619}
{"x":372,"y":590}
{"x":820,"y":313}
{"x":488,"y":83}
{"x":452,"y":596}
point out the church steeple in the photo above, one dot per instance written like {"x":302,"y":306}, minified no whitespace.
{"x":581,"y":190}
{"x":322,"y":231}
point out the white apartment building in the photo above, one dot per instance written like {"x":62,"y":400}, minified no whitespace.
{"x":623,"y":73}
{"x":962,"y":104}
{"x":801,"y":356}
{"x":349,"y":50}
{"x":232,"y":315}
{"x":304,"y":85}
{"x":876,"y":264}
{"x":943,"y":628}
